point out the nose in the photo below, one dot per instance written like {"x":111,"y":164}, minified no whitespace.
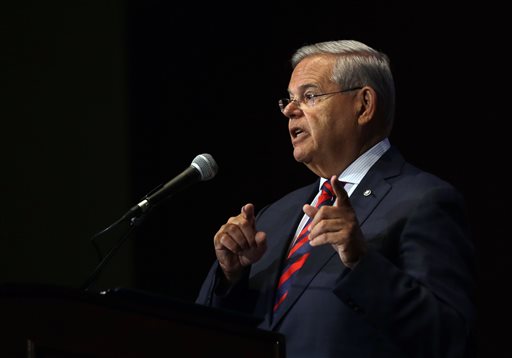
{"x":292,"y":109}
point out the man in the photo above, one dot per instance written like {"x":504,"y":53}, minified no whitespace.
{"x":383,"y":269}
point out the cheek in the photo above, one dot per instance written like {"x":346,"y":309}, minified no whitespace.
{"x":336,"y":133}
{"x":342,"y":123}
{"x":328,"y":127}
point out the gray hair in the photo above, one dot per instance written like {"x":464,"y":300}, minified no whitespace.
{"x":357,"y":65}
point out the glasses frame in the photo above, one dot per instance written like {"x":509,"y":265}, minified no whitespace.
{"x":284,"y":102}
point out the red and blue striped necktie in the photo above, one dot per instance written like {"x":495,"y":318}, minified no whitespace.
{"x":300,"y":250}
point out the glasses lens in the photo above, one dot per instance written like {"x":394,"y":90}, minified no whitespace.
{"x":283,"y":102}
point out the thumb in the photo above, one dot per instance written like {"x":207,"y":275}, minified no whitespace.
{"x":261,"y":239}
{"x":339,"y":191}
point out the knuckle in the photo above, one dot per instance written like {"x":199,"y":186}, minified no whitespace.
{"x":321,"y":226}
{"x":235,"y":219}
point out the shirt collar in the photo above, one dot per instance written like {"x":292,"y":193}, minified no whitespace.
{"x":356,"y":171}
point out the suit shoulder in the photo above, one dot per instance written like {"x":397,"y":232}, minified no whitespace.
{"x":417,"y":177}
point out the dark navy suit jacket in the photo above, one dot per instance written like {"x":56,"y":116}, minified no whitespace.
{"x":410,"y":296}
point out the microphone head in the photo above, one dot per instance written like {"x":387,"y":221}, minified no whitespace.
{"x":206,"y":166}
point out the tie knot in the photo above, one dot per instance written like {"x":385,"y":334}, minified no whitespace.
{"x":327,"y":195}
{"x":327,"y":189}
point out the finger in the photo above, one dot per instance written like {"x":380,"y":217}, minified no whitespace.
{"x":322,"y":238}
{"x":236,"y":233}
{"x":261,"y":239}
{"x":249,"y":228}
{"x":326,"y":220}
{"x":248,"y":212}
{"x":319,"y":215}
{"x":339,"y":191}
{"x":245,"y":222}
{"x":224,"y":241}
{"x":309,"y":210}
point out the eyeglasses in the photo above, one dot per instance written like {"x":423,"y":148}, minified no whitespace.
{"x":309,"y":98}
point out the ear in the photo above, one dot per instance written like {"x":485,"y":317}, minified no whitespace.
{"x":368,"y":101}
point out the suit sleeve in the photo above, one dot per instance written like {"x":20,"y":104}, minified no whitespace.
{"x":238,"y":297}
{"x":235,"y":298}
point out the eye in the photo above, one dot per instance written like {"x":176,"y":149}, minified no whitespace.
{"x":309,"y":98}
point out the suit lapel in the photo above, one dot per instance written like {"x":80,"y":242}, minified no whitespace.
{"x":374,"y":186}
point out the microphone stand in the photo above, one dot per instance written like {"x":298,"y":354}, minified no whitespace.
{"x":135,"y":216}
{"x":203,"y":167}
{"x":134,"y":221}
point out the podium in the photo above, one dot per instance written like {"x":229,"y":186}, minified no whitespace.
{"x":45,"y":321}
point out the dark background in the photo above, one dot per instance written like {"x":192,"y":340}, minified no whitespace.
{"x":105,"y":100}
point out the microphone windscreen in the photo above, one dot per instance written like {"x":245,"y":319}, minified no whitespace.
{"x":206,"y":166}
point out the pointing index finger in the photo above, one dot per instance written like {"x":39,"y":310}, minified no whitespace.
{"x":339,"y":191}
{"x":248,"y":211}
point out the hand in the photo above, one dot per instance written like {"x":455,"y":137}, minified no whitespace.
{"x":337,"y":225}
{"x":238,"y":245}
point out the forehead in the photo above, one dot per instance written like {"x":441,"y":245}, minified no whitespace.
{"x":312,"y":71}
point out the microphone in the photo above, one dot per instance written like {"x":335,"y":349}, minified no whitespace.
{"x":202,"y":168}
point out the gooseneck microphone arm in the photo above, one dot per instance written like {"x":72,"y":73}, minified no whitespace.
{"x":202,"y":168}
{"x":92,"y":278}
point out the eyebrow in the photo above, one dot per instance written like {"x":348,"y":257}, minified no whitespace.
{"x":304,"y":87}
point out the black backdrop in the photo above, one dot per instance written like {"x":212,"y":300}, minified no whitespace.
{"x":210,"y":84}
{"x":108,"y":99}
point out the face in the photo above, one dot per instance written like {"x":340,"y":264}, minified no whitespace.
{"x":325,"y":137}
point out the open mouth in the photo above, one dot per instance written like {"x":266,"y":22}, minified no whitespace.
{"x":296,"y":132}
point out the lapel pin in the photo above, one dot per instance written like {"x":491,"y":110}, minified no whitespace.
{"x":367,"y":192}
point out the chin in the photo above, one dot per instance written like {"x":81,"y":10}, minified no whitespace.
{"x":300,"y":156}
